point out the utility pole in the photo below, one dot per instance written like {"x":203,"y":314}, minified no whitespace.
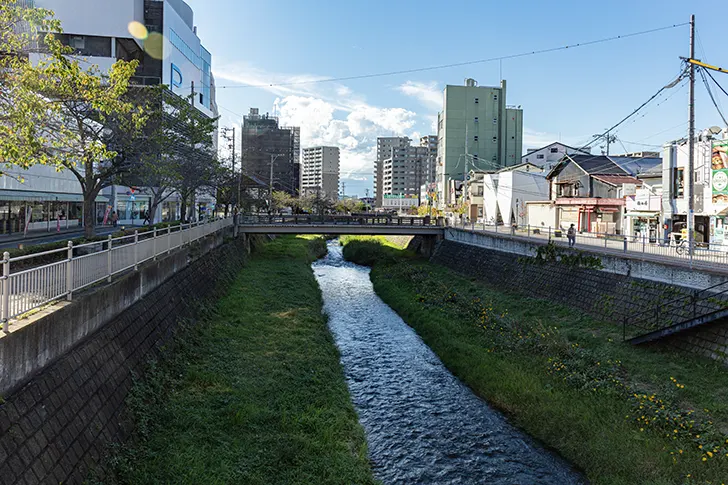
{"x":343,"y":190}
{"x":270,"y":192}
{"x":691,"y":144}
{"x":192,"y":98}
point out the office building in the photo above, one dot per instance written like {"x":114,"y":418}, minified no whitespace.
{"x":476,"y":130}
{"x":270,"y":151}
{"x":320,"y":172}
{"x":100,"y":34}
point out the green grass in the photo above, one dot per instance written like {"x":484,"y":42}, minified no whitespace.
{"x":255,"y":395}
{"x":507,"y":352}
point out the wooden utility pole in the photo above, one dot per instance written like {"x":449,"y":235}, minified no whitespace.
{"x":691,"y":145}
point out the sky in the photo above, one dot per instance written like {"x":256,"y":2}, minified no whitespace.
{"x":567,"y":95}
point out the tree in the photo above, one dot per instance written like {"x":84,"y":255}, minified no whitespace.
{"x":177,"y":147}
{"x":22,"y":110}
{"x":281,"y":200}
{"x":91,"y":120}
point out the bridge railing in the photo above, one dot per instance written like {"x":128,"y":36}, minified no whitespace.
{"x":34,"y":280}
{"x":360,"y":219}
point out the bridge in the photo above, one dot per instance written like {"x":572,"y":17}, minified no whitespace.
{"x":365,"y":224}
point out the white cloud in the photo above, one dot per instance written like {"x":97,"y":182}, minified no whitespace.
{"x":537,"y":139}
{"x":428,"y":93}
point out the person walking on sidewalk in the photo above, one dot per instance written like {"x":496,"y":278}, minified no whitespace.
{"x":571,"y":235}
{"x":114,"y":218}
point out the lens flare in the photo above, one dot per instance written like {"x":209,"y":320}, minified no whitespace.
{"x":138,"y":30}
{"x":154,"y":45}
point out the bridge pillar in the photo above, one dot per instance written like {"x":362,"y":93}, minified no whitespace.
{"x":425,"y":245}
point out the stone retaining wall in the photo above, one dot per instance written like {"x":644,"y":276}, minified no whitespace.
{"x":54,"y":428}
{"x":604,"y":294}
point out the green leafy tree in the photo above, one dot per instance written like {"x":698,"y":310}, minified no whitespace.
{"x":22,"y":110}
{"x":92,"y":122}
{"x":176,"y":147}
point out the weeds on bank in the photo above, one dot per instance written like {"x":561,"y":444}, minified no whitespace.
{"x":253,"y":393}
{"x":691,"y":438}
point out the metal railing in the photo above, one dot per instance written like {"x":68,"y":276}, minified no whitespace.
{"x":711,"y":301}
{"x":696,"y":255}
{"x":363,"y":219}
{"x":37,"y":282}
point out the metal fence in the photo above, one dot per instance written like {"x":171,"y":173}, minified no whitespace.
{"x":697,"y":254}
{"x":356,"y":219}
{"x":37,"y":282}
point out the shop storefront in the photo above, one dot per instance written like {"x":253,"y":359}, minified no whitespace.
{"x":597,"y":215}
{"x":27,"y":211}
{"x":643,"y":215}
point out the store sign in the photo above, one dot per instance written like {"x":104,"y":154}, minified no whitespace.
{"x":400,"y":196}
{"x":719,"y":176}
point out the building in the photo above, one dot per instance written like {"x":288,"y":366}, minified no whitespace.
{"x":643,"y":208}
{"x":405,"y":170}
{"x":711,"y":196}
{"x":588,"y":191}
{"x":430,"y":141}
{"x":475,"y":130}
{"x":270,"y":151}
{"x":320,"y":172}
{"x":174,"y":56}
{"x":502,"y":196}
{"x":551,"y":154}
{"x":385,"y":148}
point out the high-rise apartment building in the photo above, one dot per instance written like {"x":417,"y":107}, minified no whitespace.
{"x":270,"y":151}
{"x":401,"y":169}
{"x":320,"y":172}
{"x":430,"y":141}
{"x":476,"y":130}
{"x":385,"y":147}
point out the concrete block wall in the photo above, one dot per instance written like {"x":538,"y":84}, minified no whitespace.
{"x":54,"y":428}
{"x":604,"y":294}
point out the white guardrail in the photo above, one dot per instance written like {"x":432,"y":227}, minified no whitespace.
{"x":673,"y":249}
{"x":87,"y":264}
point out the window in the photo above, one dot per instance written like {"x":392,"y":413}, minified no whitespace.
{"x":495,"y":139}
{"x":540,"y":156}
{"x":475,"y":138}
{"x":678,"y":180}
{"x":476,"y":100}
{"x":77,"y":42}
{"x":476,"y":119}
{"x":495,"y":121}
{"x":554,"y":150}
{"x":495,"y":97}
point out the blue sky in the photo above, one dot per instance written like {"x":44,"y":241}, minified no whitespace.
{"x":567,"y":95}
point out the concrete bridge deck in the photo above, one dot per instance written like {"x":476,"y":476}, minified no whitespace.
{"x":339,"y":225}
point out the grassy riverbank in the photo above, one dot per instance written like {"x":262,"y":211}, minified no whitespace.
{"x":255,"y":395}
{"x":621,"y":414}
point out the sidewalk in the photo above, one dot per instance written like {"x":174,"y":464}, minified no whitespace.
{"x":8,"y":241}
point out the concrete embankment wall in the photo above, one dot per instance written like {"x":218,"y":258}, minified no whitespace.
{"x":610,"y":293}
{"x":54,"y":427}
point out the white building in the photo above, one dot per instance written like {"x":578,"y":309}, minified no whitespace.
{"x":171,"y":54}
{"x":710,"y":199}
{"x":320,"y":171}
{"x":503,"y":196}
{"x":547,"y":157}
{"x":386,"y":147}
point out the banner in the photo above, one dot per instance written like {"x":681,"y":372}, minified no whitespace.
{"x":719,"y":173}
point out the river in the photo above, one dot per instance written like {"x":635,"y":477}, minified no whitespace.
{"x":423,"y":426}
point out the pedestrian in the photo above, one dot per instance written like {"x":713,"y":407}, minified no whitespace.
{"x":146,"y":218}
{"x":114,"y":218}
{"x":571,"y":235}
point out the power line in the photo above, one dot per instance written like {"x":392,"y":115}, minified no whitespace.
{"x":710,"y":94}
{"x":457,"y":64}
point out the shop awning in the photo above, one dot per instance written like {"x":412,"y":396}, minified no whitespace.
{"x":33,"y":196}
{"x":642,"y":214}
